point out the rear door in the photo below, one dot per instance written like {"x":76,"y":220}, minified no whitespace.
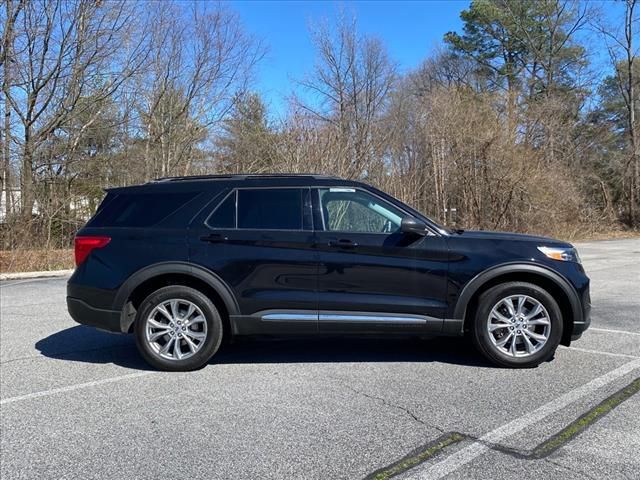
{"x":260,"y":242}
{"x":372,"y":277}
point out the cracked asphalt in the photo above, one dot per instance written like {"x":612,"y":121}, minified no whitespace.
{"x":79,"y":403}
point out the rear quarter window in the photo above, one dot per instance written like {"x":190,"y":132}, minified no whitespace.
{"x":139,"y":209}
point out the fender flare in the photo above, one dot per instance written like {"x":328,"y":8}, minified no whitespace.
{"x":470,"y":289}
{"x":164,"y":268}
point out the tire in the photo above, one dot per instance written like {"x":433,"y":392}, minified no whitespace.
{"x":191,"y":335}
{"x":528,"y":350}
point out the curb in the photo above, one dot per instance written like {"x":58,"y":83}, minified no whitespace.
{"x":45,"y":274}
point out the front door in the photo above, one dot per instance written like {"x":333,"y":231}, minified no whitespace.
{"x":372,"y":277}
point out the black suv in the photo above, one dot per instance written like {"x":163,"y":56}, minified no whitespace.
{"x":183,"y":262}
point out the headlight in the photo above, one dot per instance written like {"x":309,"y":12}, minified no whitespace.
{"x":562,"y":254}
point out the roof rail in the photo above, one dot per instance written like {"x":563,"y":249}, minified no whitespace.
{"x":190,"y":177}
{"x":241,"y":176}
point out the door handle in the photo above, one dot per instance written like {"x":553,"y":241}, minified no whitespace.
{"x":214,"y":238}
{"x":343,"y":243}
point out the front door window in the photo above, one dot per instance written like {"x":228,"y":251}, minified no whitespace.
{"x":356,"y":211}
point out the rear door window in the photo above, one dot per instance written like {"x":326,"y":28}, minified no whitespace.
{"x":271,"y":209}
{"x":224,"y":215}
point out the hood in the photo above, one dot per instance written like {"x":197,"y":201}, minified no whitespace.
{"x":507,"y":236}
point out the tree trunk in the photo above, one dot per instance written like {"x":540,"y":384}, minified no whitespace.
{"x":27,"y":198}
{"x":631,"y":106}
{"x":6,"y":82}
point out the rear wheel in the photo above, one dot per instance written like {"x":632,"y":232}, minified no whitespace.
{"x":178,"y":328}
{"x":517,"y":325}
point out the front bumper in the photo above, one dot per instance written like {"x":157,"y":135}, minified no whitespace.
{"x":580,"y":327}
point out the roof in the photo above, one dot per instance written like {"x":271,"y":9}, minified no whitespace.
{"x":244,"y":176}
{"x":216,"y":182}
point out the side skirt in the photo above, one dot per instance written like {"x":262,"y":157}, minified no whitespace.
{"x":296,"y":322}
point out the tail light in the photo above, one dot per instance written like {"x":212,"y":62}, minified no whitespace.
{"x":85,"y":245}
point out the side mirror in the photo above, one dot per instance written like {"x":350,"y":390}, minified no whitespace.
{"x":414,"y":226}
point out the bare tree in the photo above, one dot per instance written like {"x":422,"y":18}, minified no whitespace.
{"x":12,"y":10}
{"x":500,"y":123}
{"x":197,"y":69}
{"x":351,"y":82}
{"x":64,"y":51}
{"x":623,"y":54}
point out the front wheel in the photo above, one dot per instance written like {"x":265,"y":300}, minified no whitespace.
{"x":517,"y":325}
{"x":177,"y":328}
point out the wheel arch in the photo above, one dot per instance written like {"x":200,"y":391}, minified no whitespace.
{"x":559,"y":288}
{"x":139,"y":285}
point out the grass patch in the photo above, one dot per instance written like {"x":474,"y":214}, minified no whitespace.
{"x":571,"y":430}
{"x":545,"y":448}
{"x":416,"y":457}
{"x":35,"y":260}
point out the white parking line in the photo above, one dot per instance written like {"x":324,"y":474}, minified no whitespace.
{"x":609,"y":330}
{"x":601,"y":352}
{"x":71,"y":388}
{"x":466,"y":455}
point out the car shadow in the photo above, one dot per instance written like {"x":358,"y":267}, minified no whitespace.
{"x":89,"y":345}
{"x":86,"y":344}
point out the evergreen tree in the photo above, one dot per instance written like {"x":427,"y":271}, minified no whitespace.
{"x":247,"y":141}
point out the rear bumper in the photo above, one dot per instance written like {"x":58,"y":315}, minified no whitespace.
{"x":94,"y":307}
{"x":85,"y":314}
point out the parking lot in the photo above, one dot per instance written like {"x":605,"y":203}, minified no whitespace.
{"x":78,"y":403}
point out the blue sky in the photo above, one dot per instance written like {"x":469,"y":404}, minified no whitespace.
{"x":410,"y":30}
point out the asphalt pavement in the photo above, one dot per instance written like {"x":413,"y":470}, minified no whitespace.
{"x":78,"y":403}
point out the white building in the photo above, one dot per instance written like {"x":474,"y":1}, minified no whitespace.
{"x":14,"y":198}
{"x":78,"y":204}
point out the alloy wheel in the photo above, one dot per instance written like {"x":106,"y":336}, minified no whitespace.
{"x":176,"y":329}
{"x":519,"y":326}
